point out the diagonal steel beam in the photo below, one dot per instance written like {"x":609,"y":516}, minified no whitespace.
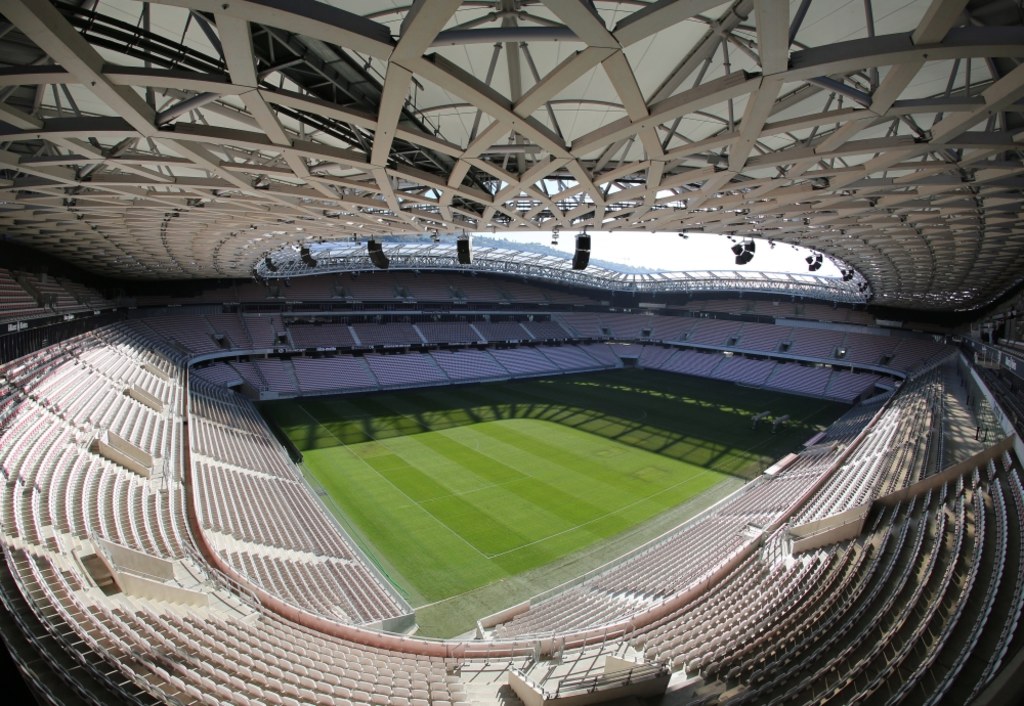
{"x":420,"y":26}
{"x":43,"y":24}
{"x":657,"y":16}
{"x":311,"y":19}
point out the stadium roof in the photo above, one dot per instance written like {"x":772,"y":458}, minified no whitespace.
{"x":188,"y":138}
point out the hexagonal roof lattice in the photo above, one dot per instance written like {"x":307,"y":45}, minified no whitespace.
{"x":187,"y":138}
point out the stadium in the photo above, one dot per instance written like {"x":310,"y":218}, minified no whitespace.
{"x":291,"y":412}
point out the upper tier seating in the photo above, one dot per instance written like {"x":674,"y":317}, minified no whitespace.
{"x":26,"y":295}
{"x":310,"y":336}
{"x":386,"y":334}
{"x":450,"y":332}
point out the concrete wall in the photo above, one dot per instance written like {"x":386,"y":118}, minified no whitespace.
{"x":829,"y":530}
{"x":143,"y":397}
{"x":109,"y":452}
{"x":127,"y":447}
{"x":135,"y":585}
{"x":124,"y":558}
{"x":841,"y":529}
{"x":950,"y":474}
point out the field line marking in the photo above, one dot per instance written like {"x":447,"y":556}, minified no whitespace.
{"x":608,"y":514}
{"x":531,"y":477}
{"x":408,"y":497}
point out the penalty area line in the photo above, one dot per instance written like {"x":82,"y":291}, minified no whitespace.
{"x":387,"y":480}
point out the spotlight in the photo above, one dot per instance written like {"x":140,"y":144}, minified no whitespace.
{"x":377,"y":256}
{"x":307,"y":257}
{"x":581,"y":258}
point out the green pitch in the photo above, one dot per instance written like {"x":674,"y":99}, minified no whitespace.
{"x":454,"y":488}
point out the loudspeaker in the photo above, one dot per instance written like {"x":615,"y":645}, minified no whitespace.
{"x":271,"y":267}
{"x":744,"y":253}
{"x":465,"y":253}
{"x":581,"y":258}
{"x":377,"y":256}
{"x":307,"y":257}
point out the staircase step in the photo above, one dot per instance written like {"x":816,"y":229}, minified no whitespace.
{"x":491,"y":695}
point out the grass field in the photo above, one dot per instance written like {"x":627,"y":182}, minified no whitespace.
{"x":456,"y":488}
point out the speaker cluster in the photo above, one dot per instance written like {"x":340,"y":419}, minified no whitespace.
{"x":744,"y":252}
{"x":581,"y":258}
{"x":377,"y":256}
{"x":307,"y":257}
{"x":464,"y":251}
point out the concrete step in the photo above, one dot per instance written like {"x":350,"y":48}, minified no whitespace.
{"x":493,"y":694}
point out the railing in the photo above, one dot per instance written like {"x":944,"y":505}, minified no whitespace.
{"x":625,"y":677}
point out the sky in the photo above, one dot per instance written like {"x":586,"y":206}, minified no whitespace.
{"x":668,"y":252}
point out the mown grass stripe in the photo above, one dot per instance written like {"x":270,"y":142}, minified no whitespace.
{"x":460,"y":487}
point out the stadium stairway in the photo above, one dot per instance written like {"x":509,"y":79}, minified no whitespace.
{"x":423,"y":338}
{"x":486,"y":692}
{"x":289,"y":369}
{"x":959,"y":421}
{"x":366,"y":366}
{"x":434,"y":365}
